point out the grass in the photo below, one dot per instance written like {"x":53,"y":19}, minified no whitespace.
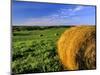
{"x":35,"y":50}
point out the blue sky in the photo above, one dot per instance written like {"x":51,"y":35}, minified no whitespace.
{"x":32,"y":13}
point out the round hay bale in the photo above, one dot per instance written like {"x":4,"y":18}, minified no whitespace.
{"x":76,"y":48}
{"x":41,"y":35}
{"x":56,"y":34}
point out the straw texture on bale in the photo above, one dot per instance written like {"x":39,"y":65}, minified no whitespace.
{"x":76,"y":48}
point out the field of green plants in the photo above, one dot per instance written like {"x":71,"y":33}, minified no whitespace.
{"x":34,"y":49}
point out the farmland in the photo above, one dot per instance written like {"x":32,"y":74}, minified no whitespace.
{"x":34,"y":49}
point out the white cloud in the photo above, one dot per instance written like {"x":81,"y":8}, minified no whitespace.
{"x":63,"y":16}
{"x":65,"y":12}
{"x":78,"y":8}
{"x":46,"y":21}
{"x":57,"y":18}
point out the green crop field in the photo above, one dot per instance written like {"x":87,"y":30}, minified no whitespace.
{"x":35,"y":50}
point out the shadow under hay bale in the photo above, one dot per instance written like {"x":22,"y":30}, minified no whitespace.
{"x":76,"y":48}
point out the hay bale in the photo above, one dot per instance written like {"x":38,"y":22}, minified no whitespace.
{"x":56,"y":34}
{"x":41,"y":35}
{"x":76,"y":48}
